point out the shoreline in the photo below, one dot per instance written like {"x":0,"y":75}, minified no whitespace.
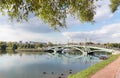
{"x":29,"y":50}
{"x":93,"y":70}
{"x":110,"y":71}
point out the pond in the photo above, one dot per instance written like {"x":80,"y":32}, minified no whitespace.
{"x":43,"y":65}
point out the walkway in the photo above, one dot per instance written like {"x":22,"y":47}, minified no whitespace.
{"x":110,"y":71}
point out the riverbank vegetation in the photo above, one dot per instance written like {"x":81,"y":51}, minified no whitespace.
{"x":112,"y":45}
{"x":24,"y":46}
{"x":91,"y":70}
{"x":40,"y":46}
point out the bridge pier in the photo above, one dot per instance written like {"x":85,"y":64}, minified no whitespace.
{"x":85,"y":53}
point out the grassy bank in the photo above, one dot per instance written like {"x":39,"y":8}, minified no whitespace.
{"x":91,"y":70}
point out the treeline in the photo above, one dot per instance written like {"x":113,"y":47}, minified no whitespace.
{"x":8,"y":45}
{"x":38,"y":45}
{"x":16,"y":45}
{"x":112,"y":45}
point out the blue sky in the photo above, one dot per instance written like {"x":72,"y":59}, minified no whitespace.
{"x":105,"y":29}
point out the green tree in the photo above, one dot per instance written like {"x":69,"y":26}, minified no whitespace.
{"x":14,"y":46}
{"x":32,"y":45}
{"x":114,"y":5}
{"x":39,"y":45}
{"x":3,"y":46}
{"x":53,"y":12}
{"x":9,"y":44}
{"x":50,"y":44}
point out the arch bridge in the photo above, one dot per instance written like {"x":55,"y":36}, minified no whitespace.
{"x":83,"y":49}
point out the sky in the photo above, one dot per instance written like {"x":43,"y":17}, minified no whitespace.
{"x":105,"y":29}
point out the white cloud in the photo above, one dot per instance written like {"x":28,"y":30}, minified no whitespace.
{"x":108,"y":33}
{"x":34,"y":25}
{"x":33,"y":30}
{"x":103,"y":12}
{"x":116,"y":35}
{"x":12,"y":34}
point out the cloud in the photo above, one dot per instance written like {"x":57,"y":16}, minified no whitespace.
{"x":34,"y":25}
{"x":103,"y":12}
{"x":12,"y":34}
{"x":34,"y":30}
{"x":108,"y":33}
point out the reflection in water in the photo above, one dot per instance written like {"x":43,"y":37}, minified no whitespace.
{"x":44,"y":65}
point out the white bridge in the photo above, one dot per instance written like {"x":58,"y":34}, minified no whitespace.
{"x":83,"y":49}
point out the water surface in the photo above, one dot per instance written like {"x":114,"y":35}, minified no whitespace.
{"x":43,"y":65}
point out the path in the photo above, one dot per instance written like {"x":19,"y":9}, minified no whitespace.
{"x":110,"y":71}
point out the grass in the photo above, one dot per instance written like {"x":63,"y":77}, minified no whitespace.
{"x":92,"y":69}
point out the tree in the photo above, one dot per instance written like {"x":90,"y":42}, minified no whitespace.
{"x":9,"y":44}
{"x":50,"y":44}
{"x":3,"y":46}
{"x":114,"y":5}
{"x":39,"y":45}
{"x":14,"y":46}
{"x":53,"y":12}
